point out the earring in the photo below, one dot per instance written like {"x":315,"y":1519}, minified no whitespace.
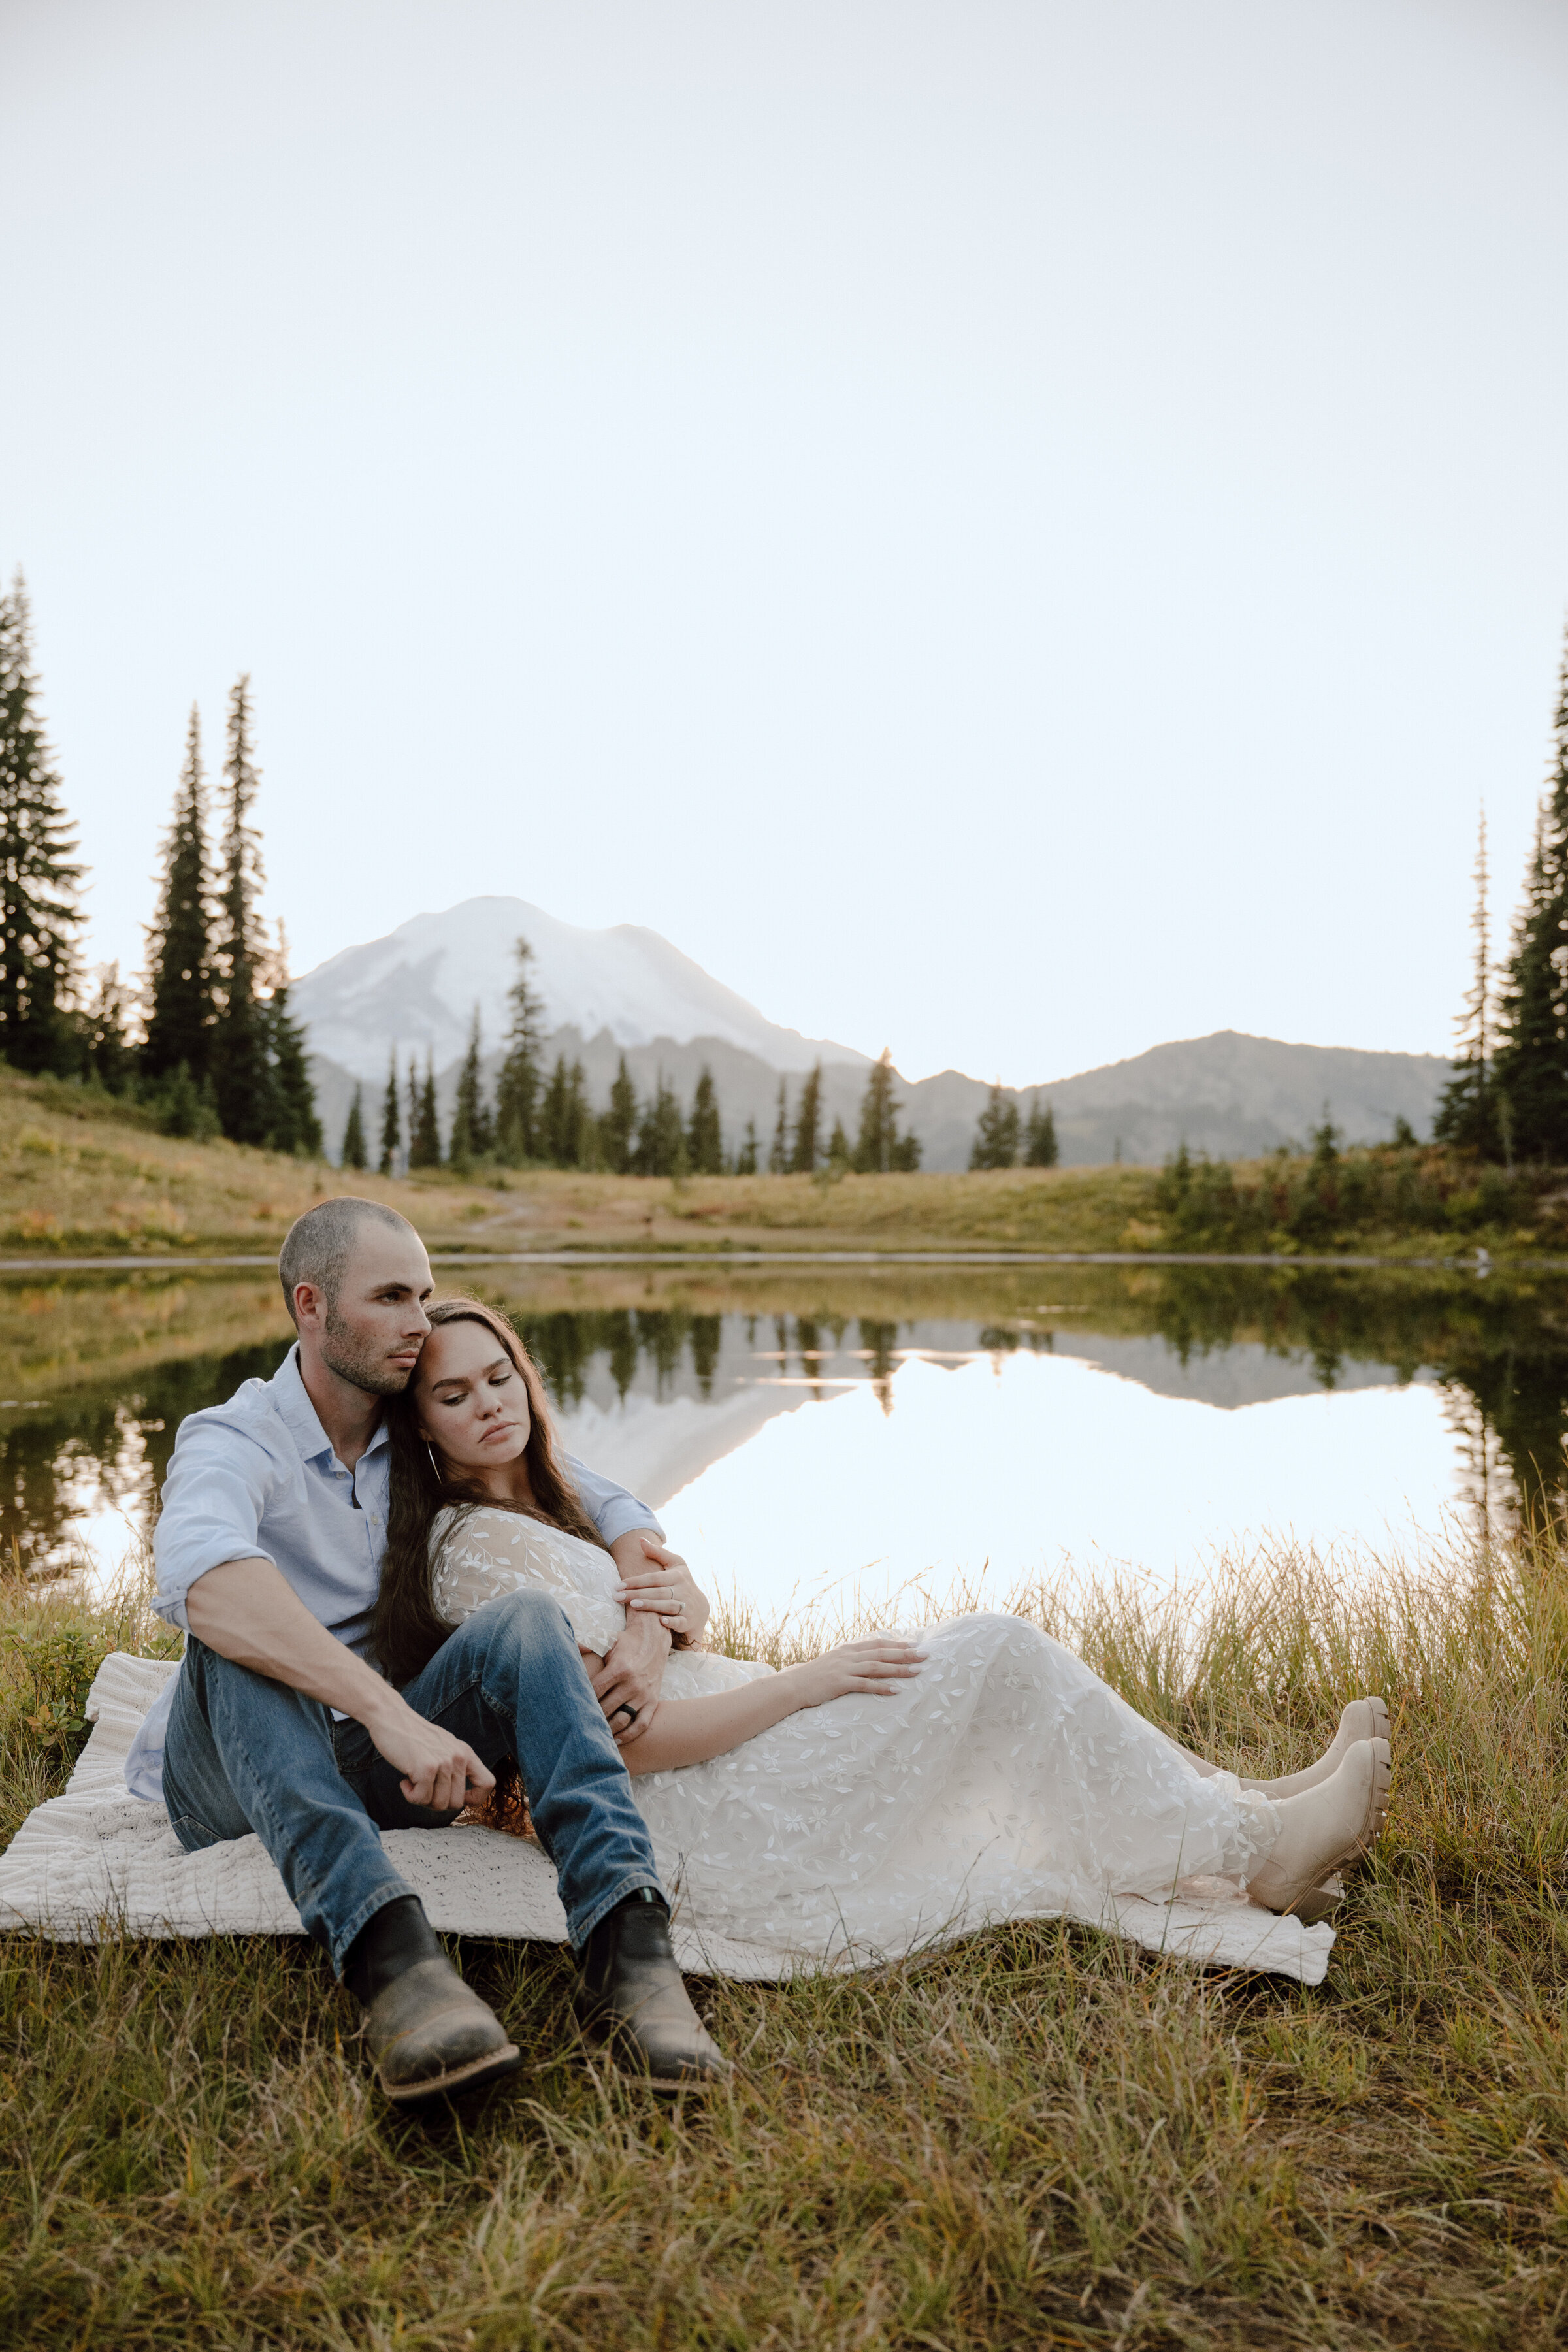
{"x":435,"y":1465}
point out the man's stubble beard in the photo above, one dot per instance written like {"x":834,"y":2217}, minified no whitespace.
{"x":352,"y":1360}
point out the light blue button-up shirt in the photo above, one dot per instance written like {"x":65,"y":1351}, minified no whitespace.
{"x":257,"y":1478}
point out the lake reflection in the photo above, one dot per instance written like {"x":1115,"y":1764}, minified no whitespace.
{"x":804,"y":1430}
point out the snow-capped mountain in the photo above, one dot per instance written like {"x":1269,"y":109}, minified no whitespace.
{"x":417,"y":990}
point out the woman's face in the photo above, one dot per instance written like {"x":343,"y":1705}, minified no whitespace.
{"x":472,"y":1398}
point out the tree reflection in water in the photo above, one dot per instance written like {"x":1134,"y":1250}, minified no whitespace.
{"x":93,"y":1422}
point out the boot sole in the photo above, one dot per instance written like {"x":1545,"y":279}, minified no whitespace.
{"x":611,"y":2037}
{"x":1376,"y":1819}
{"x":456,"y":2080}
{"x":1372,"y":1823}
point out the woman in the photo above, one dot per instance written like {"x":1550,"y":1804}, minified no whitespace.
{"x":875,"y":1797}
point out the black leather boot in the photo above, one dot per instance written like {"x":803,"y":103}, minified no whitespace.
{"x":630,"y":1987}
{"x":429,"y":2036}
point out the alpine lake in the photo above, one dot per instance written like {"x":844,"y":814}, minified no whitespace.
{"x":818,"y":1436}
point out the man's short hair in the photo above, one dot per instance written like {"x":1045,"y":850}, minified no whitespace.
{"x":319,"y":1246}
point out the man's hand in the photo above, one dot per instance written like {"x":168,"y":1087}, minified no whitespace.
{"x":246,"y":1611}
{"x":631,"y":1677}
{"x":439,"y":1771}
{"x":657,"y":1582}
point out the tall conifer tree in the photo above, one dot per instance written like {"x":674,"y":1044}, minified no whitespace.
{"x":517,"y":1088}
{"x":352,"y":1154}
{"x":556,"y":1127}
{"x":240,"y":1060}
{"x":1531,"y":1061}
{"x":471,"y":1136}
{"x":291,"y":1124}
{"x":618,"y":1126}
{"x":1041,"y":1148}
{"x":425,"y":1135}
{"x":661,"y":1136}
{"x":413,"y":1105}
{"x":808,"y":1149}
{"x":179,"y":979}
{"x":39,"y":880}
{"x":391,"y":1124}
{"x":778,"y":1154}
{"x":1467,"y":1112}
{"x":704,"y":1135}
{"x":996,"y":1141}
{"x":876,"y":1146}
{"x":111,"y":1056}
{"x":746,"y":1158}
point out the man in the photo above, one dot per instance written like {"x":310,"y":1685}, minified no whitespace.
{"x":269,"y":1550}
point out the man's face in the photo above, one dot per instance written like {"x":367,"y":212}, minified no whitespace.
{"x":372,"y":1332}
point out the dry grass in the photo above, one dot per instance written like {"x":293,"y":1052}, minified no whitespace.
{"x":1038,"y":2138}
{"x":77,"y":1176}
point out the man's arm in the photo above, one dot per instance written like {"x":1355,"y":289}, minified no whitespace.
{"x":248,"y":1612}
{"x":633,"y":1670}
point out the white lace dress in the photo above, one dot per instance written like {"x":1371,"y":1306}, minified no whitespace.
{"x":1005,"y":1782}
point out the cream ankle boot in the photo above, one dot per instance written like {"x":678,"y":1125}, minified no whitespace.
{"x":1323,"y":1826}
{"x":1363,"y":1718}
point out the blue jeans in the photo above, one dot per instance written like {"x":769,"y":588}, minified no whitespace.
{"x":245,"y":1753}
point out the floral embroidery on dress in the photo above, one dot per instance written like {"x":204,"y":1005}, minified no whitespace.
{"x":1005,"y":1782}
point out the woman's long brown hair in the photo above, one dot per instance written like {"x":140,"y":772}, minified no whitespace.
{"x":405,"y":1630}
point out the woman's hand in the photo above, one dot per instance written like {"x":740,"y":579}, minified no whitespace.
{"x":660,"y":1582}
{"x":874,"y":1668}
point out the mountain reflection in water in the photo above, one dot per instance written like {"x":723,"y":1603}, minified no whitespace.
{"x":1015,"y":1412}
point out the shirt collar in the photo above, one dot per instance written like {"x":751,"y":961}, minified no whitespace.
{"x":301,"y":1419}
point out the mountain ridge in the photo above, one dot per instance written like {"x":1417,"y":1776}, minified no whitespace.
{"x":627,"y":991}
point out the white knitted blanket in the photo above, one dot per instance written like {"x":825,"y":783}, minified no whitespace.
{"x":97,"y":1862}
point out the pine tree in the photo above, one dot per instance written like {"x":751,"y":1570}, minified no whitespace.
{"x":424,"y":1128}
{"x":391,"y":1125}
{"x":746,"y":1158}
{"x":472,"y":1135}
{"x":1041,"y":1148}
{"x":296,"y":1126}
{"x":556,"y":1136}
{"x":808,"y":1149}
{"x":239,"y":1056}
{"x":661,"y":1136}
{"x":413,"y":1106}
{"x":704,"y":1134}
{"x":106,"y":1044}
{"x":996,"y":1141}
{"x":838,"y":1154}
{"x":584,"y":1126}
{"x":517,"y":1088}
{"x":352,"y":1154}
{"x":906,"y":1155}
{"x":293,"y":1124}
{"x":179,"y":945}
{"x":778,"y":1156}
{"x":878,"y":1138}
{"x":1467,"y":1112}
{"x":618,"y":1126}
{"x":39,"y":881}
{"x":1530,"y":1063}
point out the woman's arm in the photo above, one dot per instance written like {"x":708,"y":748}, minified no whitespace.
{"x":690,"y":1730}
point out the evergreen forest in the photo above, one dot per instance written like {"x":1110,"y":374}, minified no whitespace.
{"x":204,"y":1040}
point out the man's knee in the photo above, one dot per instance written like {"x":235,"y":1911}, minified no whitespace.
{"x":527,"y":1619}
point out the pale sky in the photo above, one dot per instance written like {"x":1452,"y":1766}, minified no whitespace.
{"x":1013,"y":531}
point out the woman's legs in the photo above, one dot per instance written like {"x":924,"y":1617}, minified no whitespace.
{"x":1322,"y":1826}
{"x":1363,"y":1718}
